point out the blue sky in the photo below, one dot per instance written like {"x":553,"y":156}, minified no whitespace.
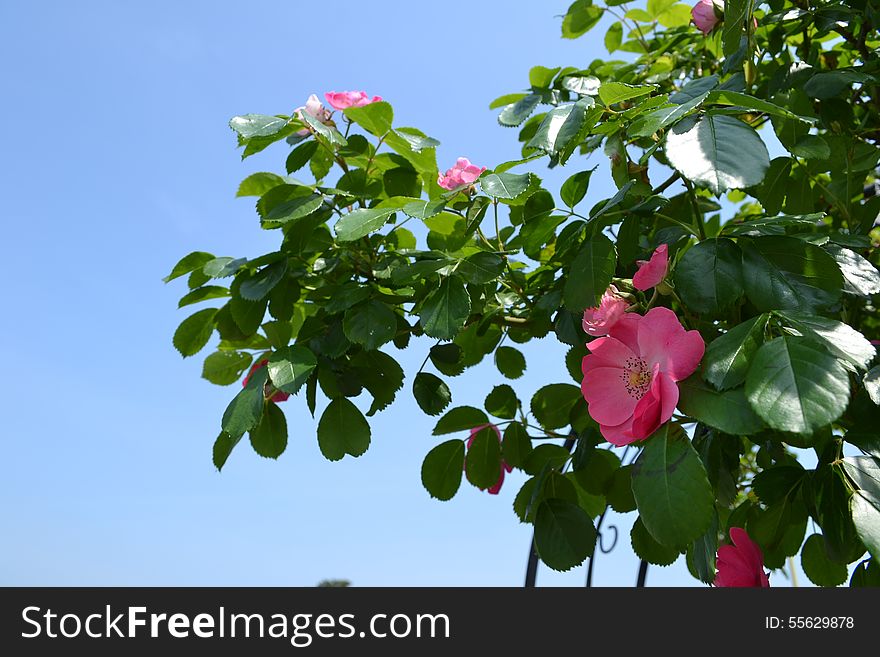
{"x":118,"y":160}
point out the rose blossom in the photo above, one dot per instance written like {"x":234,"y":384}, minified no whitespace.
{"x":497,"y":486}
{"x":742,"y":563}
{"x":279,"y":396}
{"x":463,"y":173}
{"x":652,"y":271}
{"x":630,"y":375}
{"x":313,"y":107}
{"x":706,"y":14}
{"x":343,"y":99}
{"x":599,"y":320}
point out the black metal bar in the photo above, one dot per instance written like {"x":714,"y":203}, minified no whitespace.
{"x":643,"y":573}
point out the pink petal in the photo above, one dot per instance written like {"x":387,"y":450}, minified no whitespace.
{"x":662,"y":339}
{"x":656,"y":407}
{"x":626,"y":330}
{"x":604,"y":388}
{"x":620,"y":434}
{"x":609,"y":351}
{"x":653,"y":271}
{"x":376,"y":99}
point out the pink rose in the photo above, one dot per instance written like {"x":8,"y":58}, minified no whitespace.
{"x":463,"y":173}
{"x":313,"y":107}
{"x":706,"y":14}
{"x":279,"y":395}
{"x":652,"y":271}
{"x":342,"y":99}
{"x":742,"y":563}
{"x":600,"y":319}
{"x":630,"y":375}
{"x":497,"y":486}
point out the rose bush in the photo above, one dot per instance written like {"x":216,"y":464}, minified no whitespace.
{"x":718,"y":307}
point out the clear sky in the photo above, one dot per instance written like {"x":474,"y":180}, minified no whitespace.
{"x":118,"y":160}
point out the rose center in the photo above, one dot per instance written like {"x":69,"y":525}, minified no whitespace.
{"x":636,"y":377}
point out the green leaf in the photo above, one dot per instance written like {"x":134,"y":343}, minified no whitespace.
{"x":361,"y":222}
{"x":647,"y":124}
{"x":614,"y":37}
{"x":865,"y":510}
{"x":866,"y":573}
{"x":719,"y":152}
{"x":510,"y":362}
{"x":596,"y":474}
{"x":786,"y":273}
{"x":295,"y":209}
{"x":300,"y":156}
{"x":860,"y":277}
{"x":797,"y":386}
{"x":828,"y":84}
{"x":505,"y":185}
{"x":580,"y":18}
{"x":424,"y":209}
{"x":560,"y":126}
{"x":582,"y":85}
{"x":619,"y":490}
{"x":865,"y":472}
{"x":223,"y":447}
{"x":502,"y":402}
{"x":726,"y":97}
{"x":871,"y":381}
{"x":342,"y":430}
{"x":839,"y":338}
{"x":728,"y":357}
{"x":544,"y":458}
{"x":564,"y":534}
{"x":269,"y":438}
{"x":735,"y":13}
{"x":370,"y":324}
{"x":245,"y":410}
{"x":575,"y":188}
{"x":203,"y":294}
{"x":290,"y":368}
{"x":648,"y":549}
{"x":431,"y":393}
{"x":225,"y":367}
{"x":811,"y":147}
{"x":709,"y":275}
{"x":830,"y":495}
{"x":223,"y":267}
{"x":188,"y":263}
{"x":727,"y":411}
{"x":329,"y":133}
{"x":381,"y":375}
{"x":259,"y":183}
{"x":704,"y":552}
{"x":612,"y":93}
{"x":693,"y":89}
{"x":552,"y":404}
{"x":672,"y":491}
{"x":515,"y":113}
{"x":446,"y":309}
{"x":482,"y":463}
{"x":817,"y":565}
{"x":771,"y":192}
{"x":460,"y":418}
{"x":194,"y":332}
{"x":257,"y":125}
{"x":516,"y":445}
{"x":442,"y":469}
{"x":480,"y":268}
{"x":259,"y":285}
{"x":590,"y":274}
{"x":247,"y":315}
{"x":375,"y":118}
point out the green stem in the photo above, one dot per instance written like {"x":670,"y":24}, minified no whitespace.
{"x":698,"y":216}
